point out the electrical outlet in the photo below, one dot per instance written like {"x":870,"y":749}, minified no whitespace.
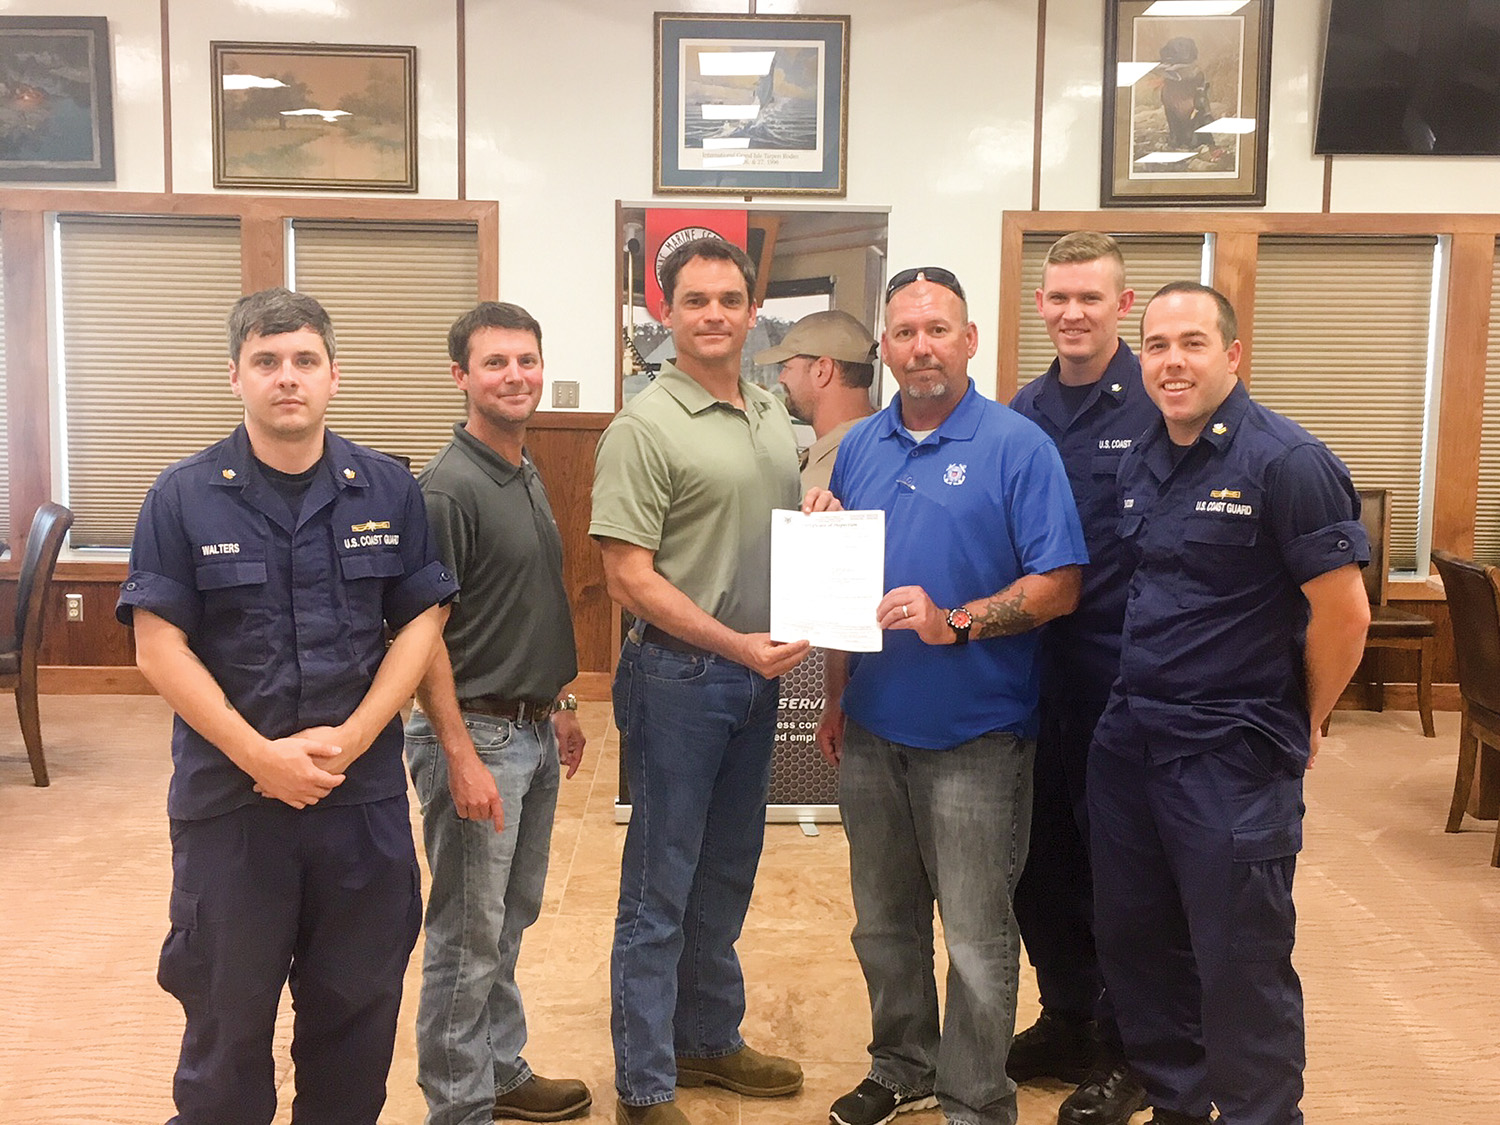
{"x":565,"y":393}
{"x":74,"y":602}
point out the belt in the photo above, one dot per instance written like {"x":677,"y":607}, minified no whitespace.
{"x":516,"y":710}
{"x":651,"y":635}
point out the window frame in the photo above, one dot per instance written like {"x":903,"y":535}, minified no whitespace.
{"x":1235,"y":236}
{"x":31,"y":405}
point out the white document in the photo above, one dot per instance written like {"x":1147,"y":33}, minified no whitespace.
{"x":827,"y":577}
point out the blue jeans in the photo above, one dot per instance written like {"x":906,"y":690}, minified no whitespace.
{"x":486,"y":889}
{"x":696,"y":735}
{"x":948,"y":827}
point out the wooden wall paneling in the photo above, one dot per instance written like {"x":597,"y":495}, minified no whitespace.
{"x":562,"y":445}
{"x":1460,"y":411}
{"x":29,"y":416}
{"x":262,"y":249}
{"x":1236,"y":258}
{"x":1007,"y":373}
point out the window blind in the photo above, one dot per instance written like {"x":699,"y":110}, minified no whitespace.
{"x":392,"y":290}
{"x":1150,"y":262}
{"x":1487,"y":510}
{"x":144,"y":374}
{"x":1341,"y":338}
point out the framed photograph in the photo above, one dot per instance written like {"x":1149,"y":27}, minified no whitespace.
{"x":751,"y":105}
{"x":56,"y":115}
{"x":1186,"y":102}
{"x":329,"y":116}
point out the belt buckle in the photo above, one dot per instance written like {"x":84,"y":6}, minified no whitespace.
{"x":528,"y":712}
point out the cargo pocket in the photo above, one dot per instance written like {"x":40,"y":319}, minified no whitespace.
{"x":180,"y":970}
{"x":1263,"y":917}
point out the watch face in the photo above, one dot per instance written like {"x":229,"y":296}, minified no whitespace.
{"x":960,"y":618}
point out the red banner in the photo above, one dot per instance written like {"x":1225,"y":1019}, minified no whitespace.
{"x":668,"y":229}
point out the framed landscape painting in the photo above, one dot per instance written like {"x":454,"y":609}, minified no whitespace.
{"x":314,"y":115}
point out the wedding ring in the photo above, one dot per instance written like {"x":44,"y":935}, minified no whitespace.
{"x":906,"y":611}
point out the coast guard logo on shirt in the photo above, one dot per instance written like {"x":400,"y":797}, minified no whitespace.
{"x":955,"y":474}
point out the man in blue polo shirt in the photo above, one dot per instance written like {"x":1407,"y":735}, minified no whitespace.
{"x":932,"y":736}
{"x":1091,"y":403}
{"x":1246,"y":617}
{"x":264,"y":573}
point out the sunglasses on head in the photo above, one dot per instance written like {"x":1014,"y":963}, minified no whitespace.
{"x":935,"y":274}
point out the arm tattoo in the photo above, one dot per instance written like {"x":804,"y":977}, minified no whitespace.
{"x":1003,"y":617}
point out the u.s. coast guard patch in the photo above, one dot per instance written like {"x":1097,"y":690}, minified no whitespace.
{"x":955,"y":474}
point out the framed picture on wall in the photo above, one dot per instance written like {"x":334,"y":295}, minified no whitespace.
{"x":56,"y":116}
{"x":327,"y":116}
{"x":1186,"y":102}
{"x":751,"y":105}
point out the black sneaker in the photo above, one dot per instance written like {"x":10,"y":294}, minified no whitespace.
{"x":870,"y":1103}
{"x":1056,"y":1046}
{"x":1108,"y":1096}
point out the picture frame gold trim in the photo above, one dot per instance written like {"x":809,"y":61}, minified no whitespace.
{"x":332,"y":116}
{"x":795,"y":139}
{"x":1208,"y":68}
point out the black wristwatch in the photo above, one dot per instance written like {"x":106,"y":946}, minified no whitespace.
{"x":959,"y":620}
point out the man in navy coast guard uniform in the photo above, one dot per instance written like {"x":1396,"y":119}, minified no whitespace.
{"x":264,"y":571}
{"x":1091,"y":403}
{"x":1246,"y":617}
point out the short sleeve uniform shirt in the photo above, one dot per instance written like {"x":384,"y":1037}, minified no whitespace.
{"x":287,"y":614}
{"x":1225,"y":537}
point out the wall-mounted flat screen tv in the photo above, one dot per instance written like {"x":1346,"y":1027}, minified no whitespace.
{"x":1411,"y":76}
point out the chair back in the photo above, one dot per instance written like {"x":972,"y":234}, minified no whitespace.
{"x":1473,"y":593}
{"x":1375,"y":514}
{"x":43,"y":544}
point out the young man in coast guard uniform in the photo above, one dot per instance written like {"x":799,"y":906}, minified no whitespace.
{"x":264,"y":572}
{"x":1091,"y":403}
{"x":1246,"y":617}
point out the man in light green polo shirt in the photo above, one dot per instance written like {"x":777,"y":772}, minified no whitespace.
{"x":684,"y":483}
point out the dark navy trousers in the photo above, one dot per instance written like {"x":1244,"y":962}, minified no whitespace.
{"x":1193,"y":864}
{"x":1055,"y":897}
{"x":327,"y":897}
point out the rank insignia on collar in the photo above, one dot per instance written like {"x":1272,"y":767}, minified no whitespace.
{"x":1116,"y":387}
{"x":228,"y":474}
{"x":348,"y":474}
{"x":1220,"y":428}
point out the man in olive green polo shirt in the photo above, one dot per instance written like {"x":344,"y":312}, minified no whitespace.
{"x":684,"y":483}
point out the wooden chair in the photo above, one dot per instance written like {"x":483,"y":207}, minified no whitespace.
{"x":1392,"y":628}
{"x":18,"y":653}
{"x":1473,"y":593}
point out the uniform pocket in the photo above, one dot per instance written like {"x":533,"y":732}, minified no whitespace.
{"x":180,"y":969}
{"x":1220,"y":531}
{"x":235,"y":605}
{"x":1263,"y":916}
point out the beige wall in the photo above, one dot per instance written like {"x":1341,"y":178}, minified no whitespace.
{"x":559,"y":104}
